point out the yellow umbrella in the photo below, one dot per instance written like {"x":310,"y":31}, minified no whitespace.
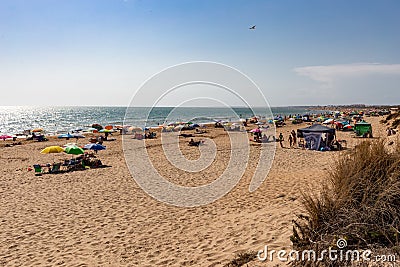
{"x":52,"y":149}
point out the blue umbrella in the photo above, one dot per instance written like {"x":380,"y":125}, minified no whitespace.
{"x":67,"y":135}
{"x":78,"y":135}
{"x":95,"y":147}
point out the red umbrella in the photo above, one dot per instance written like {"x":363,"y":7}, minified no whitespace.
{"x":4,"y":137}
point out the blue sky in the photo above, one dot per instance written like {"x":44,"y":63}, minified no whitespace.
{"x":100,"y":52}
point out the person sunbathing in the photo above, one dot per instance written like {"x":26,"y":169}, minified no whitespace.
{"x":186,"y":135}
{"x":195,"y":143}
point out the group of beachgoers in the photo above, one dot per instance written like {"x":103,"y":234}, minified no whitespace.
{"x":292,"y":138}
{"x":85,"y":161}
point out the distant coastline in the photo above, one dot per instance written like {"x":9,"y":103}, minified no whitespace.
{"x":351,"y":106}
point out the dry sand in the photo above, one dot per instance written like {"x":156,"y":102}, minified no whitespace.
{"x":101,"y":217}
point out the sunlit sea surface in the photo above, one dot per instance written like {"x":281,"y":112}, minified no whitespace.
{"x":16,"y":119}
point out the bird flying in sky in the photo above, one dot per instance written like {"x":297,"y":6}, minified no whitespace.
{"x":252,"y":27}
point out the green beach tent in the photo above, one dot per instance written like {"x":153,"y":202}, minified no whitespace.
{"x":363,"y":128}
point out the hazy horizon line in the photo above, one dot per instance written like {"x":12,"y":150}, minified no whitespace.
{"x":277,"y":106}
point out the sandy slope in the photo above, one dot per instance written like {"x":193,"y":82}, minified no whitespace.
{"x":100,"y":217}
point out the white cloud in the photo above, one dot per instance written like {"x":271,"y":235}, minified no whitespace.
{"x":329,"y":73}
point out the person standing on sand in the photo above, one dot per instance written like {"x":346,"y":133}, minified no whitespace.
{"x":280,"y":138}
{"x":290,"y":140}
{"x":294,"y":137}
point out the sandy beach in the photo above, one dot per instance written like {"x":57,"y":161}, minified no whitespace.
{"x":101,"y":217}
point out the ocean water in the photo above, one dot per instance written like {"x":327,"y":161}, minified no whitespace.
{"x":16,"y":119}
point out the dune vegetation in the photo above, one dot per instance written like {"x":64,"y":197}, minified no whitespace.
{"x":359,"y":202}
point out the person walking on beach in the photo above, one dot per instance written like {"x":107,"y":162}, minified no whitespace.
{"x":294,"y":137}
{"x":290,"y":140}
{"x":280,"y":138}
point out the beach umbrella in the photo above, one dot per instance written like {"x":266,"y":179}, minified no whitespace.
{"x":135,"y":129}
{"x":52,"y":149}
{"x":95,"y":147}
{"x":91,"y":129}
{"x":106,"y":131}
{"x":74,"y":150}
{"x":328,"y":121}
{"x":178,"y":128}
{"x":78,"y":135}
{"x":69,"y":144}
{"x":67,"y":135}
{"x":97,"y":126}
{"x":4,"y":136}
{"x":37,"y":130}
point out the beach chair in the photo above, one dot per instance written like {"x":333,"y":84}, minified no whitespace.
{"x":38,"y":169}
{"x":85,"y":167}
{"x":55,"y":168}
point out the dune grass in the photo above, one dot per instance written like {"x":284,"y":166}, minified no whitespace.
{"x":360,"y":202}
{"x":394,"y":118}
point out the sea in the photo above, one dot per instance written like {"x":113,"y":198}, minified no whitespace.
{"x":61,"y":119}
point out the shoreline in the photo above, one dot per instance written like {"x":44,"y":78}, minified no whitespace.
{"x":53,"y":130}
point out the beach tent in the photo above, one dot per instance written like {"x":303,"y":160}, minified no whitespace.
{"x":362,"y":128}
{"x":315,"y":128}
{"x":313,"y":140}
{"x":313,"y":135}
